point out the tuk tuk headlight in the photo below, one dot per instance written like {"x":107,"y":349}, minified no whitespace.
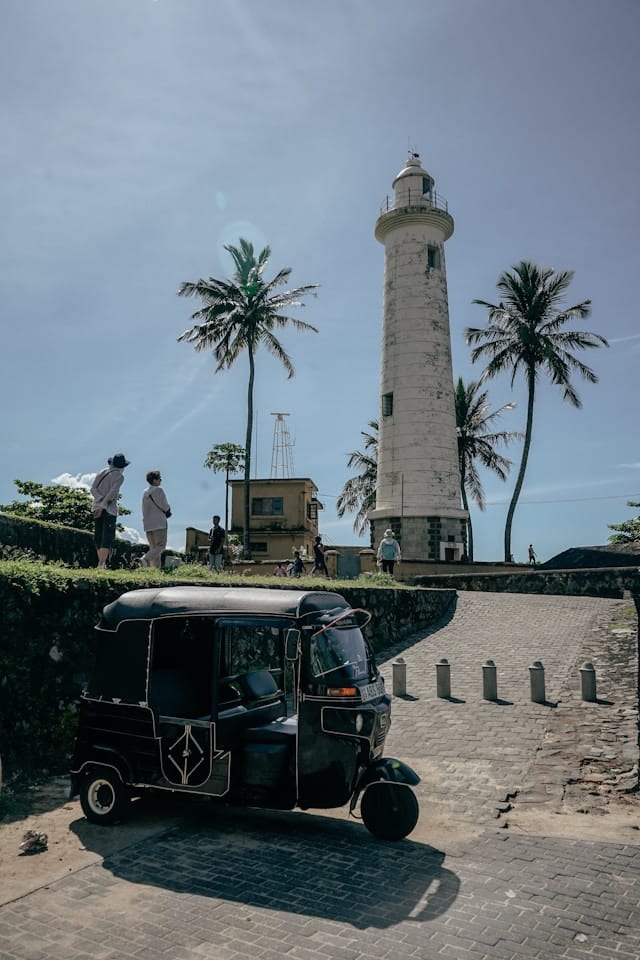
{"x":359,"y":722}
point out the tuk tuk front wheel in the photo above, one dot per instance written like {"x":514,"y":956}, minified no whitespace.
{"x":389,"y":810}
{"x":103,"y":796}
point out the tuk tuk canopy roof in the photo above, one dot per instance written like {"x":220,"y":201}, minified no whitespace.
{"x":150,"y":604}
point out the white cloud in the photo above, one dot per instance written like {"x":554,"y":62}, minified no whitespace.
{"x":132,"y":535}
{"x":76,"y":481}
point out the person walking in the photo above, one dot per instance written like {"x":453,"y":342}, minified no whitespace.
{"x":532,"y":554}
{"x":104,"y":491}
{"x":298,"y":566}
{"x":319,"y":561}
{"x":388,"y":551}
{"x":216,"y":545}
{"x":155,"y":513}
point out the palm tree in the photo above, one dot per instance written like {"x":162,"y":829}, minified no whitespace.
{"x":241,"y":314}
{"x":477,"y":445}
{"x":227,"y":458}
{"x":524,"y":335}
{"x":359,"y":493}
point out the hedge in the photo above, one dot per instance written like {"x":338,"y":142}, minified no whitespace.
{"x":47,"y":644}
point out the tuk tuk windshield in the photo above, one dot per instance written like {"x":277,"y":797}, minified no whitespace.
{"x":341,"y":651}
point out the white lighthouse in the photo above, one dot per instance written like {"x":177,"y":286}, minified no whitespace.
{"x":418,"y":488}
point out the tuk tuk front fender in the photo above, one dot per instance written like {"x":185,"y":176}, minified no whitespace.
{"x":389,"y":769}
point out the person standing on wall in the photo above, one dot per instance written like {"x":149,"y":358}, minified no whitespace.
{"x":532,"y":554}
{"x":104,"y":490}
{"x":155,"y":513}
{"x":319,"y":562}
{"x":216,"y":545}
{"x":389,"y":551}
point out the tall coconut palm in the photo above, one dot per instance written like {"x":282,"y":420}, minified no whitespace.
{"x":241,"y":315}
{"x":359,"y":493}
{"x":225,"y":458}
{"x":524,"y":335}
{"x":476,"y":445}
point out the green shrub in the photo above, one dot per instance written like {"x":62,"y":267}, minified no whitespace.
{"x":47,"y":641}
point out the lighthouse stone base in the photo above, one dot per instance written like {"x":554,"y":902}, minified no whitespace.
{"x":434,"y":538}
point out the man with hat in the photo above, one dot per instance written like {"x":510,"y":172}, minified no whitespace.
{"x":388,"y":551}
{"x":104,"y":490}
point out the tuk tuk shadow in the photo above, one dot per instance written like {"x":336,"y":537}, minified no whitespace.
{"x":306,"y":864}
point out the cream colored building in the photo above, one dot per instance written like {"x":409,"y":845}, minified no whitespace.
{"x":283,"y":518}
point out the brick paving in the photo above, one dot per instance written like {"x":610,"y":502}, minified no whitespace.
{"x":237,"y":884}
{"x":474,"y":754}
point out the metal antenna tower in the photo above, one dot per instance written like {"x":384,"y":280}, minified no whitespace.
{"x":282,"y":452}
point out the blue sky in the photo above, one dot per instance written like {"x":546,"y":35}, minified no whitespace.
{"x":141,"y":136}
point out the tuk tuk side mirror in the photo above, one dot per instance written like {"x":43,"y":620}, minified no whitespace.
{"x":291,"y":644}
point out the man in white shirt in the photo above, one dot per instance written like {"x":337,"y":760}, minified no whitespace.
{"x":155,"y":511}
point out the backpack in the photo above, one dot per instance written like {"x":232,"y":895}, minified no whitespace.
{"x":388,"y":550}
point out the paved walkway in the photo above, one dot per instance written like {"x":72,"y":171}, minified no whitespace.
{"x":234,"y":885}
{"x":475,"y":755}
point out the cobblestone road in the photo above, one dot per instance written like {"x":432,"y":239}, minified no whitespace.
{"x":473,"y":754}
{"x":234,"y":885}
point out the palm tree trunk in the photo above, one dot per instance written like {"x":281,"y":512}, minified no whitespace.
{"x":531,"y":380}
{"x":465,"y":504}
{"x":246,"y":536}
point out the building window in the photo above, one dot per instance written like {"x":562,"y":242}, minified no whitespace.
{"x":258,"y":547}
{"x":427,"y":186}
{"x":267,"y":506}
{"x":387,"y":404}
{"x":433,"y":257}
{"x":312,"y":510}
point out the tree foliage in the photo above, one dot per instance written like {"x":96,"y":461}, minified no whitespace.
{"x":359,"y":493}
{"x":227,"y":458}
{"x":524,"y":335}
{"x":629,"y":530}
{"x":68,"y":506}
{"x":56,"y":503}
{"x":240,"y":315}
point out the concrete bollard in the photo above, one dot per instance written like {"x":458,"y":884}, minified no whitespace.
{"x":443,"y":679}
{"x":399,"y":670}
{"x":489,"y":681}
{"x":536,"y":676}
{"x":588,"y":682}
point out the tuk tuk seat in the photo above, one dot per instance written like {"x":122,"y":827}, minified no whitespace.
{"x":258,"y":687}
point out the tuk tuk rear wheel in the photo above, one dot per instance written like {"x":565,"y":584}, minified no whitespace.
{"x":389,"y":810}
{"x":103,"y":796}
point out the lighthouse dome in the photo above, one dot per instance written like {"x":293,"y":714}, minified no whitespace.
{"x":412,"y":168}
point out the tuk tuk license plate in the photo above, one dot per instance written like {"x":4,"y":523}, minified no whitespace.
{"x":372,"y":691}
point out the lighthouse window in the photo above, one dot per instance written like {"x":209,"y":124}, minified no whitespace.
{"x":433,"y":257}
{"x":427,"y":185}
{"x":387,"y":404}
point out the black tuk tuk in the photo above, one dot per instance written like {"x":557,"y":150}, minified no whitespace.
{"x":266,"y":697}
